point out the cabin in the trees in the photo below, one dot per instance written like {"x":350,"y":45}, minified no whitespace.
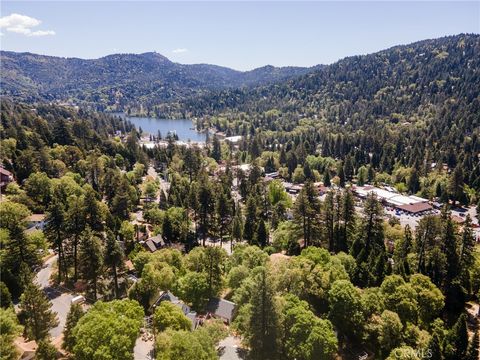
{"x":221,"y":309}
{"x":6,"y":177}
{"x":154,"y":243}
{"x":36,"y":221}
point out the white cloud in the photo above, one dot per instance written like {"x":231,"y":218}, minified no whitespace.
{"x":42,"y":33}
{"x":23,"y":24}
{"x":180,"y":51}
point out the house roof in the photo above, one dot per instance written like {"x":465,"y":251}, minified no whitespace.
{"x":221,"y":308}
{"x":36,"y":217}
{"x":150,"y":246}
{"x":458,"y":219}
{"x":4,"y":171}
{"x":157,"y":240}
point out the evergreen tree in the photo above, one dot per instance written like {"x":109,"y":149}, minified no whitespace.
{"x":9,"y":331}
{"x":250,"y":223}
{"x":122,"y":201}
{"x":94,"y":215}
{"x":458,"y":339}
{"x":341,"y":174}
{"x":114,"y":257}
{"x":348,"y":218}
{"x":329,"y":220}
{"x":261,"y":235}
{"x":263,"y":319}
{"x":224,"y":213}
{"x":206,"y":203}
{"x":306,"y":213}
{"x":75,"y":224}
{"x":55,"y":232}
{"x":61,"y":132}
{"x":216,"y":148}
{"x":467,"y":245}
{"x":474,"y":347}
{"x":73,"y":316}
{"x":435,"y":348}
{"x":348,"y":168}
{"x":413,"y":182}
{"x":36,"y":312}
{"x":237,"y":234}
{"x":456,"y":184}
{"x":91,"y":259}
{"x":5,"y":296}
{"x":45,"y":350}
{"x":450,"y":247}
{"x":326,"y":178}
{"x":163,"y":203}
{"x":369,"y":248}
{"x":16,"y":247}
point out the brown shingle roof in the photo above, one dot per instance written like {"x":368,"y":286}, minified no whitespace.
{"x":415,"y":208}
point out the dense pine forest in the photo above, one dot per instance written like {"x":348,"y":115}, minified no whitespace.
{"x":270,"y":227}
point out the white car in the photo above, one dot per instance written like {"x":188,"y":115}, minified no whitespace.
{"x":79,"y":299}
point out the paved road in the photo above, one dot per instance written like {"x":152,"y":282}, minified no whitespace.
{"x":60,"y":300}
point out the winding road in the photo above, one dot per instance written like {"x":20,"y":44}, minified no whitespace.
{"x":60,"y":300}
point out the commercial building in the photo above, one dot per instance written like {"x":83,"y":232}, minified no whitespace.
{"x":409,"y":204}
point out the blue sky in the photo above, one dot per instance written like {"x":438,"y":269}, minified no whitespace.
{"x":241,"y":35}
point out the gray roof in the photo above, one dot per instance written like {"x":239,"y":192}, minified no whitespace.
{"x":157,"y":240}
{"x":221,"y":308}
{"x":150,"y":245}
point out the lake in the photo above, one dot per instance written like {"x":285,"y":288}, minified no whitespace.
{"x":183,"y":127}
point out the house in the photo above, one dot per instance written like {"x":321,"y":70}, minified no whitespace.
{"x":273,"y":175}
{"x":221,"y":308}
{"x":36,"y":221}
{"x":6,"y":177}
{"x":154,"y":243}
{"x":292,"y":188}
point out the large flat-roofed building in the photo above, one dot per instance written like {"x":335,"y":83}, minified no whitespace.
{"x":410,"y":204}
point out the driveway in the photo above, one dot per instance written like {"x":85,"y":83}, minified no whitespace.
{"x":229,"y":349}
{"x":143,"y":349}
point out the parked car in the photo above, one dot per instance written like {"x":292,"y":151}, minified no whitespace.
{"x":79,"y":299}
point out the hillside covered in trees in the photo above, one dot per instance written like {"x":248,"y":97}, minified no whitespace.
{"x":416,"y":105}
{"x":123,"y":82}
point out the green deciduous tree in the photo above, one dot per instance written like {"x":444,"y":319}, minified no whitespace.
{"x":170,"y":316}
{"x":172,"y":345}
{"x":108,"y":331}
{"x":346,"y":310}
{"x":193,"y":288}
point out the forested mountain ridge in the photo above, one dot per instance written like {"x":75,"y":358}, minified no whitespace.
{"x":123,"y":81}
{"x":395,"y":80}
